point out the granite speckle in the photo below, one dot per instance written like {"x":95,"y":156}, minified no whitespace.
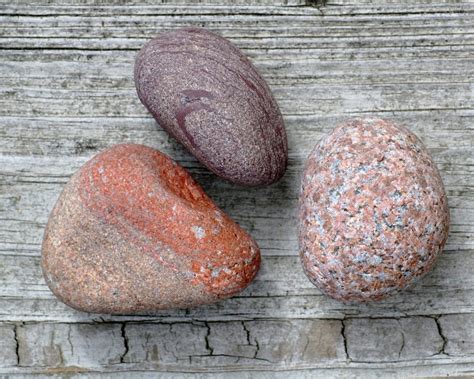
{"x":128,"y":235}
{"x":209,"y":96}
{"x":198,"y":232}
{"x":373,"y":214}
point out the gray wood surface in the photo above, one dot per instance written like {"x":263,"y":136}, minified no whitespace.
{"x":67,"y":92}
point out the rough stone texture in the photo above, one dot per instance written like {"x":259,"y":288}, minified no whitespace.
{"x":133,"y":232}
{"x":373,"y":211}
{"x":210,"y":97}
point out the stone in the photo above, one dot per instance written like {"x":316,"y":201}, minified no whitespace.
{"x":209,"y":96}
{"x":373,"y":213}
{"x":132,"y":232}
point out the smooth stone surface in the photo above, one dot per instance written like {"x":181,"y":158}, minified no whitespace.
{"x":373,"y":211}
{"x":133,"y":232}
{"x":209,"y":96}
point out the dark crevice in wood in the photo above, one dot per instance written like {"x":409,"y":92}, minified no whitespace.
{"x":247,"y":333}
{"x":66,"y":48}
{"x":316,"y":3}
{"x":151,"y":14}
{"x":71,"y":345}
{"x":442,"y":350}
{"x":257,"y":350}
{"x":344,"y":339}
{"x":125,"y":343}
{"x":206,"y":337}
{"x":276,"y":10}
{"x":403,"y":339}
{"x":229,"y":317}
{"x":403,"y":14}
{"x":17,"y":344}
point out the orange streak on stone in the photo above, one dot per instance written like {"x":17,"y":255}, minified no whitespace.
{"x":148,"y":197}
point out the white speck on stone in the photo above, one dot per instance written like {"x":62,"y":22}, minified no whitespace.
{"x":361,"y":258}
{"x":375,"y":260}
{"x":56,"y":242}
{"x":198,"y":232}
{"x":367,"y":277}
{"x":216,"y":272}
{"x":334,"y":262}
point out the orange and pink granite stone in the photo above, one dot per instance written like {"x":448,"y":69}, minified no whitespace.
{"x":132,"y":232}
{"x":373,"y":213}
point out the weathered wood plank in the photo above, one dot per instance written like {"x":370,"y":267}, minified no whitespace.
{"x":67,"y":92}
{"x":129,"y":31}
{"x":85,"y":4}
{"x":218,"y":346}
{"x":280,"y":290}
{"x":415,"y":369}
{"x":246,"y":343}
{"x":304,"y":28}
{"x":33,"y":187}
{"x":370,"y":99}
{"x":172,"y":8}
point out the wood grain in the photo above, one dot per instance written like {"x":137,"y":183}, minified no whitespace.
{"x":67,"y":92}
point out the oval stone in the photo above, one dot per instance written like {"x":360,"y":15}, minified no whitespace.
{"x":133,"y":232}
{"x":202,"y":90}
{"x":373,"y":212}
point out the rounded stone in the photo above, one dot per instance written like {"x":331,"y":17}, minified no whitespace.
{"x":373,"y":214}
{"x":202,"y":90}
{"x":132,"y":232}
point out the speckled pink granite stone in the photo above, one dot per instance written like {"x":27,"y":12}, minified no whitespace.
{"x":373,"y":212}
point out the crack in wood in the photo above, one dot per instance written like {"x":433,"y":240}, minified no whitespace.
{"x":247,"y":333}
{"x":125,"y":342}
{"x":344,"y":339}
{"x":403,"y":339}
{"x":442,"y":350}
{"x":206,"y":338}
{"x":316,"y":3}
{"x":17,"y":343}
{"x":69,"y":340}
{"x":66,"y":356}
